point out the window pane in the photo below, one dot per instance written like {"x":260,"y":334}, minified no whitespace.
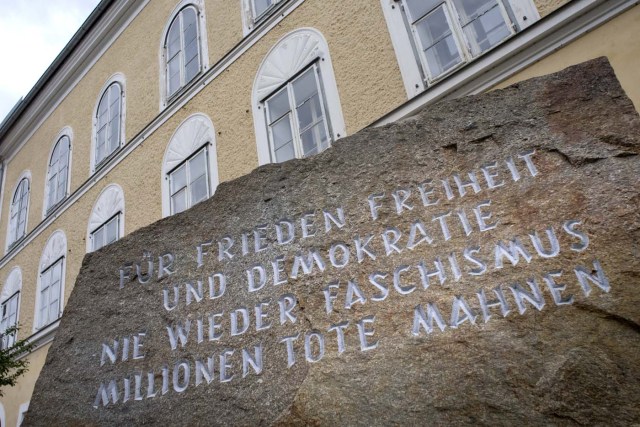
{"x":438,"y":42}
{"x":281,"y":133}
{"x":469,"y":10}
{"x":179,"y":201}
{"x":442,"y":56}
{"x":486,"y":30}
{"x":419,"y":8}
{"x":304,"y":87}
{"x":178,"y":179}
{"x":309,"y":112}
{"x":61,"y":190}
{"x":314,"y":140}
{"x":278,"y":105}
{"x":174,"y":75}
{"x":433,"y":28}
{"x":111,"y":231}
{"x":198,"y":166}
{"x":51,"y":196}
{"x":260,"y":6}
{"x":173,"y":39}
{"x":191,"y":70}
{"x":199,"y":190}
{"x":284,"y":153}
{"x":114,"y":136}
{"x":98,"y":238}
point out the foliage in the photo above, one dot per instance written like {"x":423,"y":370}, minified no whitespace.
{"x":11,"y":367}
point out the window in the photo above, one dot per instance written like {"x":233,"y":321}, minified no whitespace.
{"x":182,"y":50}
{"x":106,"y":223}
{"x":51,"y":281}
{"x":9,"y":320}
{"x":107,"y":233}
{"x":19,"y":210}
{"x":190,"y":165}
{"x":448,"y":33}
{"x":189,"y":182}
{"x":296,"y":107}
{"x":9,"y":307}
{"x":50,"y":286}
{"x":432,"y":38}
{"x":58,"y":173}
{"x":296,"y":118}
{"x":108,"y":123}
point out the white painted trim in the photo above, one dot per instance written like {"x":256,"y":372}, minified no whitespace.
{"x":68,"y":132}
{"x":25,"y":174}
{"x":526,"y":48}
{"x":121,"y":80}
{"x":526,"y":13}
{"x":266,"y":82}
{"x":54,"y":249}
{"x":3,"y":418}
{"x":191,"y":135}
{"x":203,"y":46}
{"x":107,"y":31}
{"x":110,"y":202}
{"x":23,"y":410}
{"x":409,"y":69}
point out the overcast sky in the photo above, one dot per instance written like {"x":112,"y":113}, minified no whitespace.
{"x":32,"y":33}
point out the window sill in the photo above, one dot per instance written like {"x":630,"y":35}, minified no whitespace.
{"x":52,"y":209}
{"x":106,"y":160}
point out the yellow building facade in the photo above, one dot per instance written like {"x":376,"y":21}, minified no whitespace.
{"x":153,"y":104}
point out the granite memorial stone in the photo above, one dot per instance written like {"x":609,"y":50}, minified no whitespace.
{"x":478,"y":263}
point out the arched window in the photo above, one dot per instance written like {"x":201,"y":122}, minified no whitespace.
{"x":190,"y":165}
{"x":296,"y":106}
{"x":19,"y":211}
{"x":51,"y":281}
{"x":106,"y":223}
{"x":108,"y":121}
{"x":182,"y":50}
{"x":9,"y":308}
{"x":58,"y":174}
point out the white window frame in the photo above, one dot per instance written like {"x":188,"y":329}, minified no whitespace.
{"x":109,"y":203}
{"x":24,"y":407}
{"x":104,"y":227}
{"x":12,"y":288}
{"x":66,"y":132}
{"x":55,"y":251}
{"x":198,"y":5}
{"x":187,"y":187}
{"x":117,"y":78}
{"x":193,"y":134}
{"x":10,"y":240}
{"x":412,"y":67}
{"x":249,"y":18}
{"x":278,"y":68}
{"x":294,"y":122}
{"x":7,"y":341}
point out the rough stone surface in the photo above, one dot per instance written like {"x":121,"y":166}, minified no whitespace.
{"x":569,"y":361}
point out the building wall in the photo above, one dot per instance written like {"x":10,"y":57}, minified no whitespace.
{"x":545,"y":7}
{"x":21,"y":393}
{"x":613,"y":40}
{"x":368,"y":81}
